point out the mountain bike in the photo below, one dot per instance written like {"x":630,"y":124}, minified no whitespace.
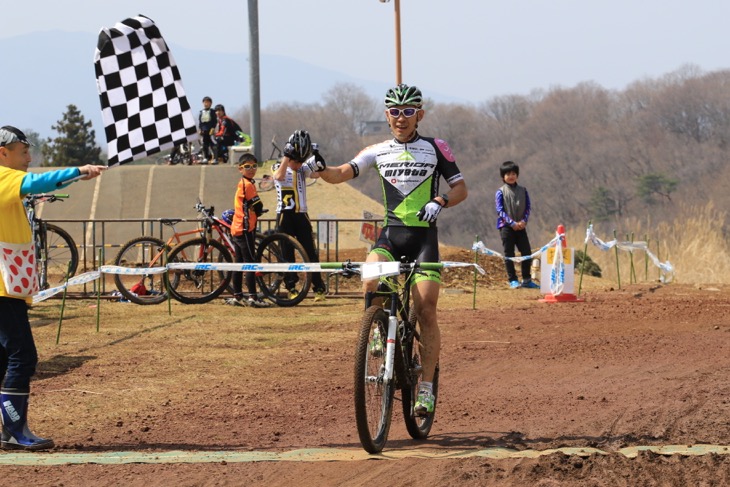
{"x":149,"y":252}
{"x":388,"y":355}
{"x":57,"y":256}
{"x":213,"y":244}
{"x":197,"y":286}
{"x":204,"y":283}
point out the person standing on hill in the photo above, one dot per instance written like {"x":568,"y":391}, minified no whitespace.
{"x":410,"y":167}
{"x":513,"y":211}
{"x":18,"y":354}
{"x":291,"y":207}
{"x":207,"y":122}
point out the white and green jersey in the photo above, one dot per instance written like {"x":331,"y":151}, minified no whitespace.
{"x":409,"y":175}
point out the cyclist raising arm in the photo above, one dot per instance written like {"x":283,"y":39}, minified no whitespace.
{"x":291,"y":208}
{"x":18,"y":356}
{"x":410,"y":167}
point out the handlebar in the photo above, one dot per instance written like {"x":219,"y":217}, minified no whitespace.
{"x":209,"y":212}
{"x":275,"y":149}
{"x":372,"y":270}
{"x":381,"y":269}
{"x":32,"y":199}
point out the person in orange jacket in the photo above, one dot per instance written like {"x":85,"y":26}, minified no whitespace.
{"x":248,"y":207}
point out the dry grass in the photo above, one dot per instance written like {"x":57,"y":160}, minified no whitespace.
{"x":695,"y":243}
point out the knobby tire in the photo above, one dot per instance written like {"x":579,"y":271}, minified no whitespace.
{"x":62,"y":257}
{"x":276,"y":285}
{"x":199,"y":286}
{"x":409,"y":379}
{"x":142,"y":252}
{"x":373,"y":397}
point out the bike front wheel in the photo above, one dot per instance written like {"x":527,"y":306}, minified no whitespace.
{"x":418,"y":426}
{"x":61,"y":257}
{"x":284,"y":288}
{"x":197,"y":286}
{"x":373,"y":393}
{"x":140,"y":253}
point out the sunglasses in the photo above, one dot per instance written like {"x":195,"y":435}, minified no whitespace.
{"x":407,"y":112}
{"x":248,"y":166}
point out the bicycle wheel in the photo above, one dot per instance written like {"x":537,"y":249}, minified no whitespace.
{"x":373,"y":396}
{"x":142,"y":252}
{"x":284,"y":288}
{"x":199,"y":286}
{"x":418,"y":426}
{"x":61,"y":256}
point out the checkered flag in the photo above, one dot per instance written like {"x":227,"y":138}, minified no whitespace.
{"x":143,"y":104}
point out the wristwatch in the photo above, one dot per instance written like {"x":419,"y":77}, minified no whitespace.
{"x":445,"y":197}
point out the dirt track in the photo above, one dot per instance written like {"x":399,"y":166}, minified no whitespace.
{"x":643,"y":366}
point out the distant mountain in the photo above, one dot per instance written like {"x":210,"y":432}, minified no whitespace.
{"x":47,"y":71}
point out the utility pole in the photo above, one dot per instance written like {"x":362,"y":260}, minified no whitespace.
{"x":254,"y":76}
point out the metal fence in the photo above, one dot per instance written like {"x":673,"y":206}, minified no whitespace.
{"x":98,"y":242}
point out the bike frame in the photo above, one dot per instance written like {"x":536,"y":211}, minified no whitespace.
{"x":399,"y":293}
{"x":39,"y":231}
{"x":387,"y":355}
{"x":210,"y":223}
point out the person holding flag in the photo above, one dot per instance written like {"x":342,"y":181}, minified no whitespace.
{"x":18,"y":355}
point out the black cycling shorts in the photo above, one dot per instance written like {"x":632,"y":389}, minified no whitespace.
{"x":419,"y":244}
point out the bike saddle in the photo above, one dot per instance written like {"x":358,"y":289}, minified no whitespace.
{"x":170,"y":221}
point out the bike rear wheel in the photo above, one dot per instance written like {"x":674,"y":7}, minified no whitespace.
{"x":201,"y":285}
{"x":284,"y":288}
{"x":61,"y":255}
{"x":139,"y":253}
{"x":418,"y":426}
{"x":373,"y":395}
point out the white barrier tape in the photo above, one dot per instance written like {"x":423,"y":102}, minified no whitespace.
{"x":248,"y":267}
{"x":449,"y":263}
{"x":74,"y":281}
{"x":666,"y":267}
{"x":224,"y":266}
{"x":557,"y":273}
{"x":480,"y":247}
{"x":135,"y":271}
{"x":284,"y":267}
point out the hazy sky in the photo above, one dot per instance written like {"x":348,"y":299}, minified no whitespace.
{"x":469,"y":49}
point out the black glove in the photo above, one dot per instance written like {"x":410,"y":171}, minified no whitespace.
{"x":318,"y":164}
{"x":257,"y":206}
{"x":429,"y":212}
{"x":293,"y":153}
{"x":290,"y":152}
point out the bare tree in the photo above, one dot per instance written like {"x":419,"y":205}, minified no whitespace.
{"x":584,"y":152}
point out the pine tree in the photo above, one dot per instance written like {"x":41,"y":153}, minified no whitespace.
{"x":76,"y":143}
{"x":36,"y":148}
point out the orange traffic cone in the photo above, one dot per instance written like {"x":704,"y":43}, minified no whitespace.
{"x":562,"y":297}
